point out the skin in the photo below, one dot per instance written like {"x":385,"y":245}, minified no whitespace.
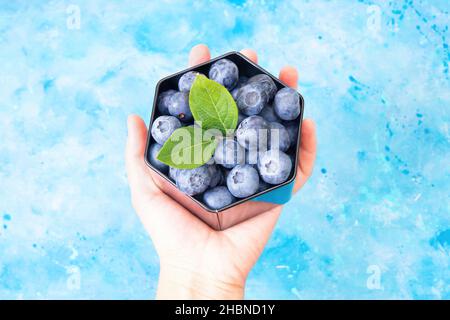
{"x":197,"y":262}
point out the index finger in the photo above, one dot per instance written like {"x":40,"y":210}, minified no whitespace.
{"x":199,"y":54}
{"x":289,"y":75}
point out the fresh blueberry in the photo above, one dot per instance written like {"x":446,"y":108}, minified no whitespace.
{"x":153,"y":152}
{"x":224,"y":72}
{"x":269,"y":86}
{"x":279,"y":137}
{"x":243,"y":181}
{"x":163,"y":127}
{"x":269,"y":114}
{"x":274,"y":166}
{"x":211,"y":161}
{"x":241,"y":118}
{"x":251,"y":99}
{"x":292,"y":129}
{"x":287,"y":104}
{"x":163,"y":101}
{"x":179,"y":106}
{"x":234,"y":93}
{"x":173,"y":172}
{"x":186,"y":81}
{"x":252,"y":133}
{"x":241,"y":82}
{"x":193,"y":181}
{"x":252,"y":157}
{"x":216,"y":175}
{"x":218,"y":197}
{"x":229,"y":153}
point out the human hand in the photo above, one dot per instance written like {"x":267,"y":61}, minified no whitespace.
{"x":197,"y":262}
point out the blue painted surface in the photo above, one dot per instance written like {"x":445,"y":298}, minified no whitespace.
{"x":374,"y":75}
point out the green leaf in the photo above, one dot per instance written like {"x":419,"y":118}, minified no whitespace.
{"x":212,"y":105}
{"x":187,"y":148}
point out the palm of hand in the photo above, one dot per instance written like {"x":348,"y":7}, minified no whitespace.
{"x":187,"y":247}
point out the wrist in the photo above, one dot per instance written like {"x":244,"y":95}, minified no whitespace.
{"x":179,"y":283}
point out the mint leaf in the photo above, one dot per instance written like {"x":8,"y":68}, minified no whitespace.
{"x":187,"y":148}
{"x":212,"y":105}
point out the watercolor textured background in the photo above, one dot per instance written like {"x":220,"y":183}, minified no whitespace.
{"x":374,"y":220}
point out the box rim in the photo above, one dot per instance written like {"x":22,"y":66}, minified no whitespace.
{"x":243,"y":200}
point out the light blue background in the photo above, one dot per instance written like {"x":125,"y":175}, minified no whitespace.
{"x":375,"y":79}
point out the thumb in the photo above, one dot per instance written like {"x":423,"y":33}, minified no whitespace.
{"x":137,"y":171}
{"x":137,"y":137}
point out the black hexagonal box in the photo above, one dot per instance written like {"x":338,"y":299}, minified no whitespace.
{"x":242,"y":209}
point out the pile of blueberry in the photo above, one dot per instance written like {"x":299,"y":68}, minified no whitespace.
{"x":259,"y":155}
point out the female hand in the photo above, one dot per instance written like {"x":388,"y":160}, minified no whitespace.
{"x":197,"y":262}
